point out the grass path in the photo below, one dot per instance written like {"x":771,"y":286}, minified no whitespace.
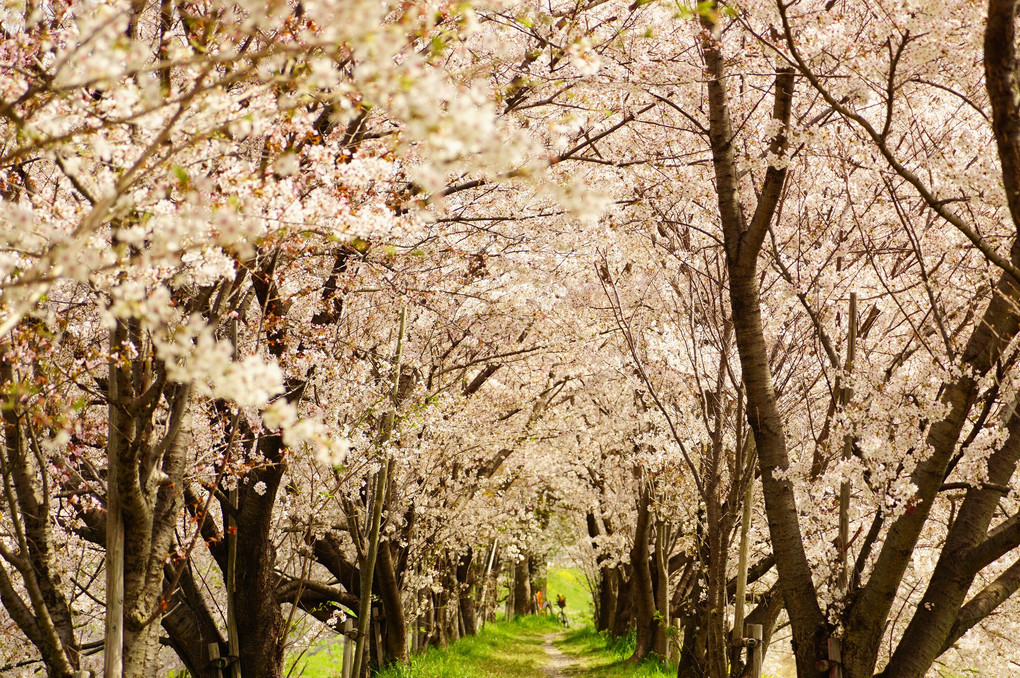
{"x":558,"y":664}
{"x":592,"y":655}
{"x":502,"y":650}
{"x":530,"y":647}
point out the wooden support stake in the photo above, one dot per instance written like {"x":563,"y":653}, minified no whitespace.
{"x":233,"y":637}
{"x":113,"y":647}
{"x":844,"y":487}
{"x":345,"y":670}
{"x":509,"y":600}
{"x":835,"y":658}
{"x":377,"y":635}
{"x":745,"y":528}
{"x":485,"y":583}
{"x":757,"y":651}
{"x":675,"y":643}
{"x":662,"y":537}
{"x":214,"y":657}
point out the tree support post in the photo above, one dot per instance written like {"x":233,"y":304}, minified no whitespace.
{"x":218,"y":662}
{"x":738,"y":602}
{"x":233,"y":637}
{"x":844,"y":487}
{"x":485,"y":582}
{"x":113,"y":647}
{"x":345,"y":670}
{"x":754,"y":645}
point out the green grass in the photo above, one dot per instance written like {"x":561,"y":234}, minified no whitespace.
{"x":322,"y":661}
{"x":571,"y":584}
{"x":501,"y":650}
{"x":597,"y":656}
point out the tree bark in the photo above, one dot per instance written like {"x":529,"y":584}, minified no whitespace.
{"x":522,"y":587}
{"x":46,"y":619}
{"x":623,"y":620}
{"x":743,"y":242}
{"x":645,"y":620}
{"x":465,"y":588}
{"x":388,"y":587}
{"x":259,"y":617}
{"x":190,"y":627}
{"x":936,"y":614}
{"x":605,"y":597}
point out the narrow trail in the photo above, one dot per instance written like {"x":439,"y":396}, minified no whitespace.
{"x":558,"y":662}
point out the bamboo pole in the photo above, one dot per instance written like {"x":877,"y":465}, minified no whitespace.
{"x":233,"y":637}
{"x":485,"y":582}
{"x":113,"y":654}
{"x":757,"y":651}
{"x":844,"y":486}
{"x":741,"y":594}
{"x":372,"y":552}
{"x":345,"y":668}
{"x":662,"y":536}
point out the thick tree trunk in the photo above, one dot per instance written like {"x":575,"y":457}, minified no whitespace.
{"x":605,"y":596}
{"x":143,"y":505}
{"x":623,"y":621}
{"x":607,"y":600}
{"x":645,"y":620}
{"x":388,"y":588}
{"x":743,"y":242}
{"x":714,"y":618}
{"x":260,"y":622}
{"x":808,"y":622}
{"x":536,"y":570}
{"x":522,"y":587}
{"x":46,"y":619}
{"x":692,"y":662}
{"x":465,"y":588}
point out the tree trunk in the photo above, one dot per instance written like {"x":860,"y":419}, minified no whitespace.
{"x":691,"y":663}
{"x":388,"y":588}
{"x":522,"y":587}
{"x":535,"y":567}
{"x":607,"y":600}
{"x":743,"y":242}
{"x":191,"y":627}
{"x":46,"y":619}
{"x":624,"y":619}
{"x":143,"y":505}
{"x":645,"y":620}
{"x":713,"y":620}
{"x":260,"y":622}
{"x":465,"y":586}
{"x":605,"y":596}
